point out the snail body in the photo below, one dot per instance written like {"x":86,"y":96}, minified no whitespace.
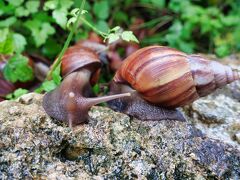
{"x":71,"y":101}
{"x":166,"y":78}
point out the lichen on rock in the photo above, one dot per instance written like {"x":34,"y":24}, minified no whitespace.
{"x":111,"y":146}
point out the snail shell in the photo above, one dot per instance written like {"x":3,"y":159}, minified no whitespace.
{"x":171,"y":78}
{"x":77,"y":57}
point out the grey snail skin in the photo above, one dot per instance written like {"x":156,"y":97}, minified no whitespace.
{"x":163,"y":79}
{"x":71,"y":101}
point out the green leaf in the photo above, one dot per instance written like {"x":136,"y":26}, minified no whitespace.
{"x":96,"y":88}
{"x":129,"y":36}
{"x":70,"y":22}
{"x":3,"y":34}
{"x":158,"y":3}
{"x":17,"y":93}
{"x":101,"y":9}
{"x":222,"y":50}
{"x":32,"y":6}
{"x":21,"y":12}
{"x":113,"y":37}
{"x":66,"y":4}
{"x":6,"y":9}
{"x":49,"y":85}
{"x":50,"y":5}
{"x":102,"y":26}
{"x":40,"y":31}
{"x":17,"y":69}
{"x":6,"y":42}
{"x":15,"y":2}
{"x":56,"y":75}
{"x":19,"y":42}
{"x":61,"y":17}
{"x":121,"y":17}
{"x":8,"y":22}
{"x":115,"y":29}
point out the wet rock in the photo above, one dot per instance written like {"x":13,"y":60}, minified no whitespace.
{"x":110,"y":146}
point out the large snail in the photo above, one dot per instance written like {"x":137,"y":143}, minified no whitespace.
{"x":166,"y":78}
{"x":71,"y":101}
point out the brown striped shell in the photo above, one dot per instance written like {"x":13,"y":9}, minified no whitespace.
{"x":170,"y":78}
{"x":77,"y":57}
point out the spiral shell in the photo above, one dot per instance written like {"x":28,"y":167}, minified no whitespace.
{"x":170,"y":78}
{"x":77,"y":57}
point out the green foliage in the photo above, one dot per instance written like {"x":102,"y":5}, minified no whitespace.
{"x":6,"y":42}
{"x":59,"y":10}
{"x":116,"y":33}
{"x":19,"y":42}
{"x":17,"y":69}
{"x":111,"y":35}
{"x":198,"y":28}
{"x":17,"y":93}
{"x":49,"y":85}
{"x":11,"y":42}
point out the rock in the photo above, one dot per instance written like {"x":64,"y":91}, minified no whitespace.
{"x":111,"y":146}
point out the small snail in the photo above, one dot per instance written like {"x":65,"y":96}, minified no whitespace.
{"x":166,"y":78}
{"x":71,"y":101}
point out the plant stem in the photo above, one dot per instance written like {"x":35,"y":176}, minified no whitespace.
{"x":66,"y":44}
{"x":86,"y":22}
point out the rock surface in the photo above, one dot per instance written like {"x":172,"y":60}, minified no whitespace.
{"x":114,"y":146}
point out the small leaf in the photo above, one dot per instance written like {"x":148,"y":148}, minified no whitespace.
{"x":115,"y":29}
{"x":61,"y":17}
{"x":17,"y":93}
{"x":84,"y":12}
{"x":96,"y":88}
{"x":158,"y":3}
{"x":65,"y":4}
{"x":32,"y":6}
{"x":6,"y":43}
{"x":3,"y":34}
{"x":15,"y":2}
{"x":40,"y":31}
{"x":129,"y":36}
{"x":75,"y":12}
{"x":50,"y":5}
{"x":56,"y":75}
{"x":17,"y":69}
{"x":113,"y":37}
{"x":49,"y":85}
{"x":71,"y":22}
{"x":21,"y":12}
{"x":101,"y":9}
{"x":8,"y":22}
{"x":102,"y":26}
{"x":222,"y":50}
{"x":19,"y":42}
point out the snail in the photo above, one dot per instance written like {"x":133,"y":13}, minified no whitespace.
{"x":163,"y":79}
{"x":71,"y":101}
